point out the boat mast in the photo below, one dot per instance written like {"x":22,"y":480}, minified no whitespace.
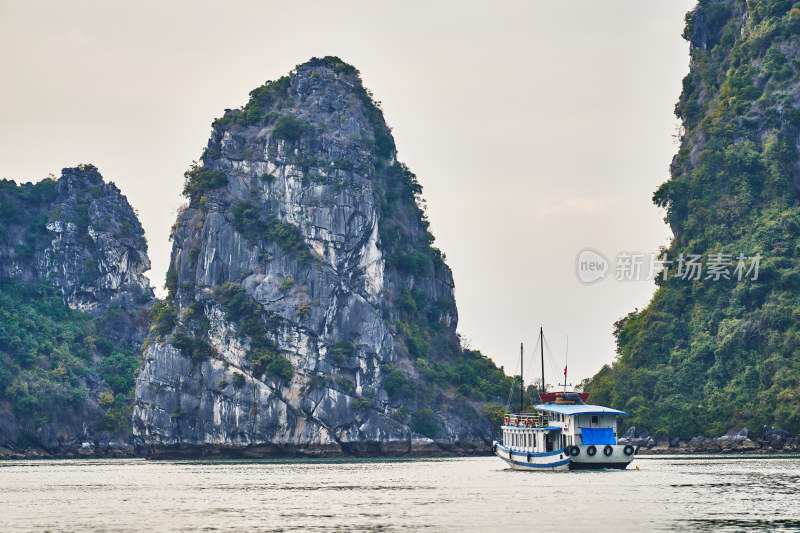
{"x":541,"y":345}
{"x":521,"y":380}
{"x":566,"y":362}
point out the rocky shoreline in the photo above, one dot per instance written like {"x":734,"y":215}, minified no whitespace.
{"x":772,"y":440}
{"x":114,"y":451}
{"x":220,"y":452}
{"x":265,"y":451}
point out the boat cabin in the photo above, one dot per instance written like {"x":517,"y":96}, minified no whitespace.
{"x":582,"y":424}
{"x":531,"y":432}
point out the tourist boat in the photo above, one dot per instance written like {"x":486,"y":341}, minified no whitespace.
{"x":531,"y":443}
{"x":562,"y":433}
{"x":588,"y":434}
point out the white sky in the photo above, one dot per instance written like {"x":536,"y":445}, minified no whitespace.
{"x":536,"y":128}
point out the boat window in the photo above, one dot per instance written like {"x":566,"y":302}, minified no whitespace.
{"x":594,"y":419}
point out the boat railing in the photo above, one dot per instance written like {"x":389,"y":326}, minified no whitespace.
{"x":526,"y":420}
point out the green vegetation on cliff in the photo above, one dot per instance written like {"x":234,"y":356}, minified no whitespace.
{"x":23,"y":212}
{"x":48,"y":354}
{"x":707,"y":355}
{"x":67,"y":377}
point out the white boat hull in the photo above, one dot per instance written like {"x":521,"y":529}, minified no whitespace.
{"x":539,"y":462}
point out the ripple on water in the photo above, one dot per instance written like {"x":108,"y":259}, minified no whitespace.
{"x":666,"y":494}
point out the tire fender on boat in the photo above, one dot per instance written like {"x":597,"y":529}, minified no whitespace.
{"x":529,"y":457}
{"x":608,"y":450}
{"x":591,"y":450}
{"x":575,"y":451}
{"x":628,"y":450}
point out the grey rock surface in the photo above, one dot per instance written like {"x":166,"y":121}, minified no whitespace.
{"x":775,"y":434}
{"x":300,"y":228}
{"x":90,"y":245}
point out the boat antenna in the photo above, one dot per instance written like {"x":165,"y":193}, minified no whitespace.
{"x":541,"y":344}
{"x":521,"y":381}
{"x":566,"y":361}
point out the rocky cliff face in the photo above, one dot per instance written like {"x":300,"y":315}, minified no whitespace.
{"x":80,"y":235}
{"x":66,"y":375}
{"x":308,"y":311}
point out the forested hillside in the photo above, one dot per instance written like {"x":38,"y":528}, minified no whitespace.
{"x":72,"y":312}
{"x":708,"y":355}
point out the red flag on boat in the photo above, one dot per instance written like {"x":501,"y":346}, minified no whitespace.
{"x":565,"y":370}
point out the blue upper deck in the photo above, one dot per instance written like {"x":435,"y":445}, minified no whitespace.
{"x":578,"y":409}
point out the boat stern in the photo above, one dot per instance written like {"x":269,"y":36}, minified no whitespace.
{"x":599,"y":456}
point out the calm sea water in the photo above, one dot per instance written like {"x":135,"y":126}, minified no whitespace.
{"x":675,"y":493}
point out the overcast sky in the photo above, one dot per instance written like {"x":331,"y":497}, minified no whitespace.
{"x":536,"y":128}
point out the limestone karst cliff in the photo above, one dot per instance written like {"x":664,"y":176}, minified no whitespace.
{"x":72,"y":287}
{"x":718,"y":351}
{"x":308,"y":312}
{"x":77,"y":233}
